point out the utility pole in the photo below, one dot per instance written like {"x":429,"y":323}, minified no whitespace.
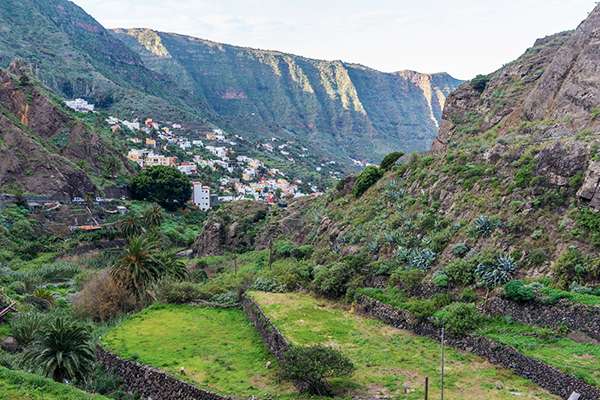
{"x":442,"y":398}
{"x":426,"y":386}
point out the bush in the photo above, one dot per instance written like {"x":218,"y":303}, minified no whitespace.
{"x":177,"y":292}
{"x":577,"y":288}
{"x":468,"y":296}
{"x":460,"y":250}
{"x":462,"y":317}
{"x":421,"y":309}
{"x":269,"y":285}
{"x":441,"y":300}
{"x":224,"y":298}
{"x":440,"y":279}
{"x":102,"y":299}
{"x":390,"y":160}
{"x":480,"y":82}
{"x":332,"y":280}
{"x":460,"y":271}
{"x":517,"y":291}
{"x":366,"y":179}
{"x":312,"y":365}
{"x":302,"y":252}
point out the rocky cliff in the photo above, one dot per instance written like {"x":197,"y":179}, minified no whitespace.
{"x":41,"y":141}
{"x":348,"y":109}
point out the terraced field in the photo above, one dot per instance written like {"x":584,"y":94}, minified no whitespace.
{"x":390,"y":361}
{"x":217,"y":347}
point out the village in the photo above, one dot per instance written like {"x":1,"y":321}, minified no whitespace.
{"x":237,"y":176}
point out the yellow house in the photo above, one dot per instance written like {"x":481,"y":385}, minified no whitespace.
{"x":150,"y":142}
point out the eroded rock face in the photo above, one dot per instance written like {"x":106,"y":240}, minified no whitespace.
{"x":560,"y":162}
{"x":589,"y":190}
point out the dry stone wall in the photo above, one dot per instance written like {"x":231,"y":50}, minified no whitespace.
{"x":275,"y":341}
{"x":575,"y":316}
{"x":508,"y":357}
{"x":150,"y":382}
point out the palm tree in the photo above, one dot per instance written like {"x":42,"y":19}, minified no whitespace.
{"x":89,"y":202}
{"x":139,"y":266}
{"x":172,"y":265}
{"x":153,"y":216}
{"x":113,"y":166}
{"x":131,"y":226}
{"x":61,"y":349}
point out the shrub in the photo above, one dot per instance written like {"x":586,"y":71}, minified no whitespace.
{"x":312,"y":365}
{"x":441,"y":300}
{"x":285,"y":250}
{"x":568,"y":267}
{"x":366,"y":179}
{"x":577,"y":288}
{"x":468,"y":295}
{"x":460,"y":271}
{"x":177,"y":292}
{"x":332,"y":280}
{"x":269,"y":285}
{"x":102,"y":299}
{"x":302,"y":252}
{"x":517,"y":291}
{"x":461,"y":317}
{"x":224,"y":298}
{"x":480,"y":82}
{"x":421,"y":309}
{"x":390,"y":160}
{"x":460,"y":250}
{"x":440,"y":278}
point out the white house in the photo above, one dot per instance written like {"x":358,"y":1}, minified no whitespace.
{"x":80,"y":105}
{"x":198,"y":143}
{"x":201,"y":196}
{"x":134,"y":126}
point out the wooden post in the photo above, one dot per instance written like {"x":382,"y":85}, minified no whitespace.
{"x":442,"y":398}
{"x":426,"y":386}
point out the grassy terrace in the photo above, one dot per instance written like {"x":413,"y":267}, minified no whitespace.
{"x":17,"y":385}
{"x":218,"y":347}
{"x":387,"y":359}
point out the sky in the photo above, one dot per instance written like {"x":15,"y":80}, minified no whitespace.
{"x":461,"y":37}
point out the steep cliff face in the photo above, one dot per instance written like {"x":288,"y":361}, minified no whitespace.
{"x":41,"y":142}
{"x":468,"y":112}
{"x":348,"y":109}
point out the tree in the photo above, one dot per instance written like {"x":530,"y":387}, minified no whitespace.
{"x":166,"y":186}
{"x":61,"y":349}
{"x":89,"y":202}
{"x":366,"y":179}
{"x":312,"y":365}
{"x":153,"y":216}
{"x":390,"y":160}
{"x":113,"y":166}
{"x":131,"y":226}
{"x":138,"y":267}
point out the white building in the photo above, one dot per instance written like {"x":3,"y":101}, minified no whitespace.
{"x":201,"y":196}
{"x":80,"y":105}
{"x":134,"y":126}
{"x":198,"y":143}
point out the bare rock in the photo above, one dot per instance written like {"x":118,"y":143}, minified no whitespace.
{"x":559,"y":162}
{"x":588,"y":190}
{"x":9,"y":344}
{"x":494,"y":154}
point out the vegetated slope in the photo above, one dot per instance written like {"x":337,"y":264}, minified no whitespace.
{"x":388,"y":360}
{"x":348,"y":109}
{"x":76,"y":57}
{"x":41,"y":141}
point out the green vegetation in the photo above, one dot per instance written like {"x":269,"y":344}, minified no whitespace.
{"x":366,"y":179}
{"x":218,"y":347}
{"x":517,"y":291}
{"x":480,"y":82}
{"x":16,"y":385}
{"x":163,"y":185}
{"x":386,"y":357}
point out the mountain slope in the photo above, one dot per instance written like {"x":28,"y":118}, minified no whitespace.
{"x":75,"y":56}
{"x":348,"y":109}
{"x":41,"y":141}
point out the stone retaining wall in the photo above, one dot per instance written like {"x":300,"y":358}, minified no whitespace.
{"x":508,"y":357}
{"x":575,"y":316}
{"x":150,"y":382}
{"x":274,"y":339}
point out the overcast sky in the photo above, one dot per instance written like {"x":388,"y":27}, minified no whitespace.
{"x":461,"y":37}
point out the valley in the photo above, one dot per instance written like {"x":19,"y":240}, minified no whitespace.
{"x":358,"y":234}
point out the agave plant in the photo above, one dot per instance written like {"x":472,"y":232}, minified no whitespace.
{"x":402,"y":253}
{"x":420,"y":258}
{"x":484,"y":226}
{"x":336,"y":248}
{"x":498,"y":274}
{"x":373,"y":247}
{"x":426,"y":240}
{"x":394,"y":237}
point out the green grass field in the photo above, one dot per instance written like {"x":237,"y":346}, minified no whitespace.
{"x":217,"y":347}
{"x":388,"y":360}
{"x":17,"y":385}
